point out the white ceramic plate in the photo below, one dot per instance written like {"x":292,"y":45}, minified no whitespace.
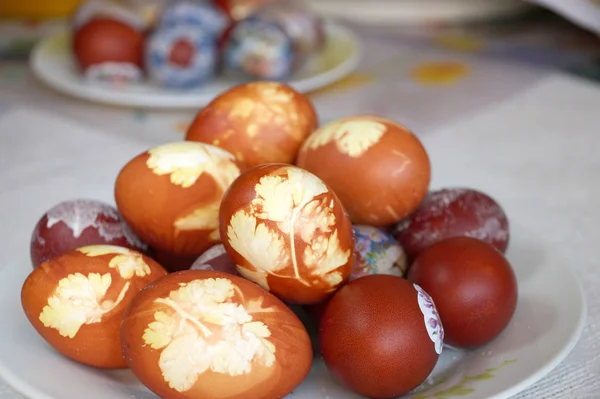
{"x":549,"y":319}
{"x":52,"y":62}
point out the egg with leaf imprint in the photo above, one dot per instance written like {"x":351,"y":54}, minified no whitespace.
{"x":378,"y":168}
{"x":206,"y":334}
{"x":76,"y":301}
{"x":286,"y":230}
{"x":170,"y":195}
{"x":258,"y":122}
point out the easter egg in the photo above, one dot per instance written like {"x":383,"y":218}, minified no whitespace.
{"x":473,"y":286}
{"x":216,"y":259}
{"x":377,"y":252}
{"x":259,"y":122}
{"x":202,"y":15}
{"x":380,"y":335}
{"x":210,"y":335}
{"x":170,"y":195}
{"x":382,"y":171}
{"x":76,"y":300}
{"x":109,"y":9}
{"x":287,"y":231}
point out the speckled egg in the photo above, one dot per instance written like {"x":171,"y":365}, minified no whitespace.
{"x":215,"y":259}
{"x":473,"y":285}
{"x":76,"y":300}
{"x":210,"y":335}
{"x":377,"y":252}
{"x":77,"y":223}
{"x":381,"y":336}
{"x":454,"y":212}
{"x":259,"y":122}
{"x":170,"y":195}
{"x":382,"y":171}
{"x":286,"y":230}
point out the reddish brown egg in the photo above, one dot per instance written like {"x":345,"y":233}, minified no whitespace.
{"x":258,"y":122}
{"x":473,"y":285}
{"x":170,"y":196}
{"x":76,"y":300}
{"x":77,"y":223}
{"x":454,"y":212}
{"x":172,"y":262}
{"x":215,"y":259}
{"x":381,"y":336}
{"x":110,"y":49}
{"x":211,"y":335}
{"x":381,"y":172}
{"x":288,"y":232}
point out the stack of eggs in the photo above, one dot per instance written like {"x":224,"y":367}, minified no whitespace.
{"x":183,"y":44}
{"x":191,"y":280}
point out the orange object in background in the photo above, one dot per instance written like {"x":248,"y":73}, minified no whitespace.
{"x":37,"y":9}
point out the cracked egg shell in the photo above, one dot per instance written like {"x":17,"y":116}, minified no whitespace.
{"x":381,"y":336}
{"x":77,"y":223}
{"x":454,"y":212}
{"x":170,"y":195}
{"x":287,"y":231}
{"x":382,"y":171}
{"x":76,"y":301}
{"x":258,"y":122}
{"x":473,"y":285}
{"x":211,"y":335}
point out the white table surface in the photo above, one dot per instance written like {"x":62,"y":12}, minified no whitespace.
{"x":545,"y":135}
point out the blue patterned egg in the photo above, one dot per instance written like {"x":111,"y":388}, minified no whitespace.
{"x":201,"y":14}
{"x":182,"y":57}
{"x":377,"y":252}
{"x":260,"y":50}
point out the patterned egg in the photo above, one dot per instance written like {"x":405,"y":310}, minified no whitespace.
{"x":170,"y":195}
{"x":381,"y":336}
{"x":240,"y":9}
{"x":260,"y":50}
{"x":454,"y":212}
{"x":259,"y":122}
{"x":73,"y":224}
{"x":109,"y":50}
{"x":216,"y":259}
{"x":180,"y":57}
{"x":288,"y":232}
{"x":377,"y":252}
{"x":211,"y":335}
{"x":473,"y":285}
{"x":398,"y":167}
{"x":76,"y":301}
{"x":203,"y":15}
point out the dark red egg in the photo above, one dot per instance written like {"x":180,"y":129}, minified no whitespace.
{"x":473,"y":286}
{"x":380,"y":336}
{"x":215,"y":259}
{"x":173,"y":262}
{"x":454,"y":212}
{"x":73,"y":224}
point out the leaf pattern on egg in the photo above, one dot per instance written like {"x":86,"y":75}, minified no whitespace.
{"x":128,"y":263}
{"x":201,"y":328}
{"x":352,"y":137}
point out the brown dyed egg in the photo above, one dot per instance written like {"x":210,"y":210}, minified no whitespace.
{"x":216,"y":259}
{"x":454,"y":212}
{"x":381,"y":172}
{"x":258,"y":122}
{"x":109,"y":49}
{"x":211,"y":335}
{"x":73,"y":224}
{"x":381,"y":336}
{"x":76,"y":301}
{"x":170,"y":196}
{"x":473,"y":285}
{"x":172,"y":262}
{"x":288,"y":232}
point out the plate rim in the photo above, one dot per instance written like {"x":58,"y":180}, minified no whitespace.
{"x":183,"y":100}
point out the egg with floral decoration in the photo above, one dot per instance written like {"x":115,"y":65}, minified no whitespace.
{"x":258,"y":122}
{"x":205,"y":334}
{"x":202,"y":15}
{"x":381,"y":336}
{"x":180,"y":57}
{"x":398,"y":167}
{"x":377,"y":252}
{"x":71,"y":224}
{"x":215,"y":259}
{"x":170,"y":195}
{"x":286,"y":230}
{"x":76,"y":301}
